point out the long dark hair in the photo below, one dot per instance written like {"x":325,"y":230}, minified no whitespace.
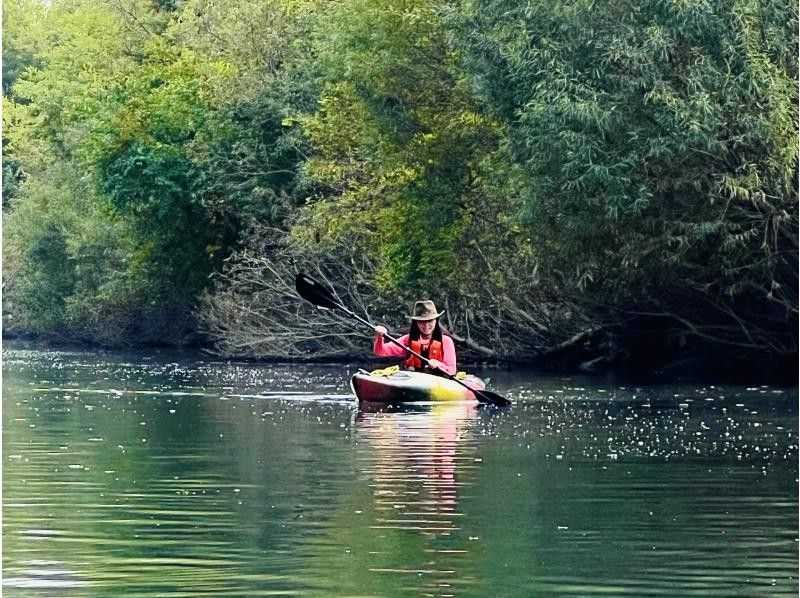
{"x":436,"y":335}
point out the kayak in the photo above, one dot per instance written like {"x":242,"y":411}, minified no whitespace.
{"x":395,"y":386}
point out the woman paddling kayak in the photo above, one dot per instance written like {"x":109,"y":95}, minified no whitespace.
{"x":315,"y":292}
{"x":426,"y":338}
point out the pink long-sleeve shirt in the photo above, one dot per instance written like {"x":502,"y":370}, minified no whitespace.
{"x":389,"y":349}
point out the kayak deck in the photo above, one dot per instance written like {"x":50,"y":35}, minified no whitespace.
{"x":411,"y":387}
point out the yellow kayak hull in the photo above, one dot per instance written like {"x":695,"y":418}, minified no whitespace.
{"x":412,"y":387}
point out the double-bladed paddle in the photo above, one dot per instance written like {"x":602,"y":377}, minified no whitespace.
{"x":318,"y":294}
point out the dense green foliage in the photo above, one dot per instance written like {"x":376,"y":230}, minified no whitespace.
{"x":657,"y":141}
{"x":144,"y":127}
{"x":545,"y":170}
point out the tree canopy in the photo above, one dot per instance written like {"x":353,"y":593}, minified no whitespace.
{"x":603,"y":178}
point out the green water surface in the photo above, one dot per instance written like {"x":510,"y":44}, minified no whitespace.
{"x":157,"y":474}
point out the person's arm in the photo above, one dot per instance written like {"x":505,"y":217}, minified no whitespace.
{"x":388,"y":349}
{"x":448,"y":363}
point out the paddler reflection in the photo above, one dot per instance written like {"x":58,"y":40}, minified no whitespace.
{"x":421,"y":456}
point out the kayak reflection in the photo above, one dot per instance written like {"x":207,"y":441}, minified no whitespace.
{"x":421,"y":456}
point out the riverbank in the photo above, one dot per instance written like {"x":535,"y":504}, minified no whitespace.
{"x":633,"y":368}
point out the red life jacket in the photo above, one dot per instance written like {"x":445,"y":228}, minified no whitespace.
{"x":434,"y":351}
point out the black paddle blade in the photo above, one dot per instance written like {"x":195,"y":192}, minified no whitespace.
{"x":314,"y":292}
{"x":487,"y":396}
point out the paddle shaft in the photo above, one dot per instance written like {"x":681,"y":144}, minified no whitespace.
{"x":391,"y":338}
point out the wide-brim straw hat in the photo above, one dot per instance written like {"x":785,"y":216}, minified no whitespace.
{"x":425,"y":310}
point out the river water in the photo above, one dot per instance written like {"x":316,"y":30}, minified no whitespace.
{"x":173,"y":474}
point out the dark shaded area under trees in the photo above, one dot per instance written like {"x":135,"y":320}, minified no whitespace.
{"x":580,"y":185}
